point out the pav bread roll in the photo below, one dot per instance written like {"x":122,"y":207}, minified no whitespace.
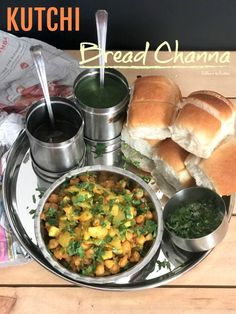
{"x":136,"y":159}
{"x":165,"y":187}
{"x":154,"y":104}
{"x":169,"y":164}
{"x":156,"y":88}
{"x":144,"y":146}
{"x":217,"y":172}
{"x":205,"y":119}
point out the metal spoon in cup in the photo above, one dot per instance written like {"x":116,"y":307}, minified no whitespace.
{"x":101,"y":23}
{"x":40,"y":68}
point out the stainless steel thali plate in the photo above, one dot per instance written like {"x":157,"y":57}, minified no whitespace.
{"x":21,"y":192}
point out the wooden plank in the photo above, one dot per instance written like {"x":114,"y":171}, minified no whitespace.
{"x":189,"y":79}
{"x":217,"y":269}
{"x":84,"y":301}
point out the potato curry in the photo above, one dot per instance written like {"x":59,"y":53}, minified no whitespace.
{"x":98,"y":224}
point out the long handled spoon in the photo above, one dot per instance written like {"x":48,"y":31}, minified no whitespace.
{"x":101,"y":23}
{"x":40,"y":68}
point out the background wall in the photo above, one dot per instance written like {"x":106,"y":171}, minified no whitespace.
{"x":197,"y":24}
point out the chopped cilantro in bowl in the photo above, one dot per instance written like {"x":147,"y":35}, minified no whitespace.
{"x":196,"y":219}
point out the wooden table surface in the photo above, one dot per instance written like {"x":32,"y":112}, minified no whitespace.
{"x":208,"y":288}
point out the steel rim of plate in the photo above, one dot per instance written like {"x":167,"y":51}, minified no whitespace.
{"x":9,"y":193}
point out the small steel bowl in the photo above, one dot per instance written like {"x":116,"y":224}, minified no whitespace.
{"x":190,"y":195}
{"x":39,"y":230}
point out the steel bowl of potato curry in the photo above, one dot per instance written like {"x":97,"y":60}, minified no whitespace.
{"x":99,"y":224}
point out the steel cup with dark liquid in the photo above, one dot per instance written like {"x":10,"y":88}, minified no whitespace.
{"x":55,"y":150}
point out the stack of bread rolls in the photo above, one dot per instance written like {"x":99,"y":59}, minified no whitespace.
{"x":181,"y":142}
{"x":154,"y":104}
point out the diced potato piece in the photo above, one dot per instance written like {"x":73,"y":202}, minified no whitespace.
{"x":85,"y":216}
{"x":69,"y":212}
{"x":109,"y":263}
{"x":107,"y":255}
{"x":72,"y":189}
{"x":97,"y":232}
{"x":53,"y":231}
{"x":129,"y":235}
{"x":63,"y":218}
{"x":115,"y":210}
{"x":100,"y":270}
{"x":141,"y":239}
{"x":126,"y":248}
{"x":149,"y":237}
{"x":116,"y":243}
{"x":86,"y":235}
{"x":112,"y":232}
{"x":108,"y":224}
{"x":111,"y":196}
{"x":120,"y":216}
{"x":106,"y":208}
{"x":86,"y":194}
{"x":133,"y":211}
{"x":98,"y":189}
{"x":66,"y":199}
{"x":64,"y":239}
{"x":85,"y":205}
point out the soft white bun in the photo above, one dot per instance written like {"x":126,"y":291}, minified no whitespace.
{"x":166,"y":188}
{"x":154,"y":104}
{"x":206,"y":118}
{"x":169,"y":163}
{"x":135,"y":158}
{"x":217,"y":172}
{"x":142,"y":145}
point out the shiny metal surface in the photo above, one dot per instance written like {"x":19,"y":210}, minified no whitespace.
{"x":41,"y":71}
{"x":103,"y":124}
{"x":103,"y":152}
{"x":49,"y":176}
{"x":56,"y":157}
{"x":101,"y":24}
{"x":99,"y":169}
{"x":191,"y":195}
{"x":20,"y":183}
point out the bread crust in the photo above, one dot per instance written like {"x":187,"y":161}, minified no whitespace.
{"x":199,"y":123}
{"x":172,"y":154}
{"x":215,"y":101}
{"x":157,"y":88}
{"x":150,"y":113}
{"x":220,"y":168}
{"x":169,"y":159}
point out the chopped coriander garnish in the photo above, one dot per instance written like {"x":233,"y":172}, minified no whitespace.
{"x":194,"y":220}
{"x":100,"y":149}
{"x":34,"y":198}
{"x":51,"y":216}
{"x":74,"y":248}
